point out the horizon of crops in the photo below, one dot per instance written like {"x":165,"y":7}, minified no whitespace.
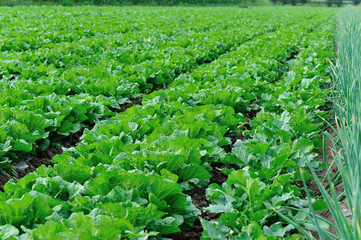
{"x":222,"y":103}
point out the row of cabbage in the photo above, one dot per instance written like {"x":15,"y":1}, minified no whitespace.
{"x":62,"y":81}
{"x":131,"y":176}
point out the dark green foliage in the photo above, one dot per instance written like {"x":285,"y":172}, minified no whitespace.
{"x":169,"y":2}
{"x":125,"y":2}
{"x":336,"y":2}
{"x":67,"y":2}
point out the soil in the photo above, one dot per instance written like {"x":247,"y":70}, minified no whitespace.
{"x":251,"y":114}
{"x":293,"y":55}
{"x":73,"y":139}
{"x":339,"y":188}
{"x":276,"y":80}
{"x":194,"y":233}
{"x":234,"y":139}
{"x":40,"y":158}
{"x":201,"y":201}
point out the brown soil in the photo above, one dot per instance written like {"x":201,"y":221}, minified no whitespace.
{"x":276,"y":80}
{"x":201,"y":201}
{"x":234,"y":139}
{"x":251,"y":114}
{"x":293,"y":55}
{"x":194,"y":233}
{"x":72,"y":139}
{"x":219,"y":177}
{"x":40,"y":158}
{"x":339,"y":188}
{"x":330,"y":164}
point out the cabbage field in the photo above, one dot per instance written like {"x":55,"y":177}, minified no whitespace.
{"x":161,"y":122}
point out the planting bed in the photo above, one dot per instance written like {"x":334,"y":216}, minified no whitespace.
{"x":160,"y":123}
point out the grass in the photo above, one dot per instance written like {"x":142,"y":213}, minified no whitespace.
{"x":346,"y":145}
{"x":347,"y":107}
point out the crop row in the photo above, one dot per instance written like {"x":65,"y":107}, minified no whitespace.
{"x":40,"y":97}
{"x":283,"y":138}
{"x":32,"y":28}
{"x":132,"y":175}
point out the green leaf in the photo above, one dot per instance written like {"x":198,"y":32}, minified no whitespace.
{"x":7,"y":231}
{"x":194,"y":171}
{"x":320,"y":205}
{"x":22,"y":146}
{"x":279,"y":200}
{"x":239,"y":177}
{"x":260,"y":148}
